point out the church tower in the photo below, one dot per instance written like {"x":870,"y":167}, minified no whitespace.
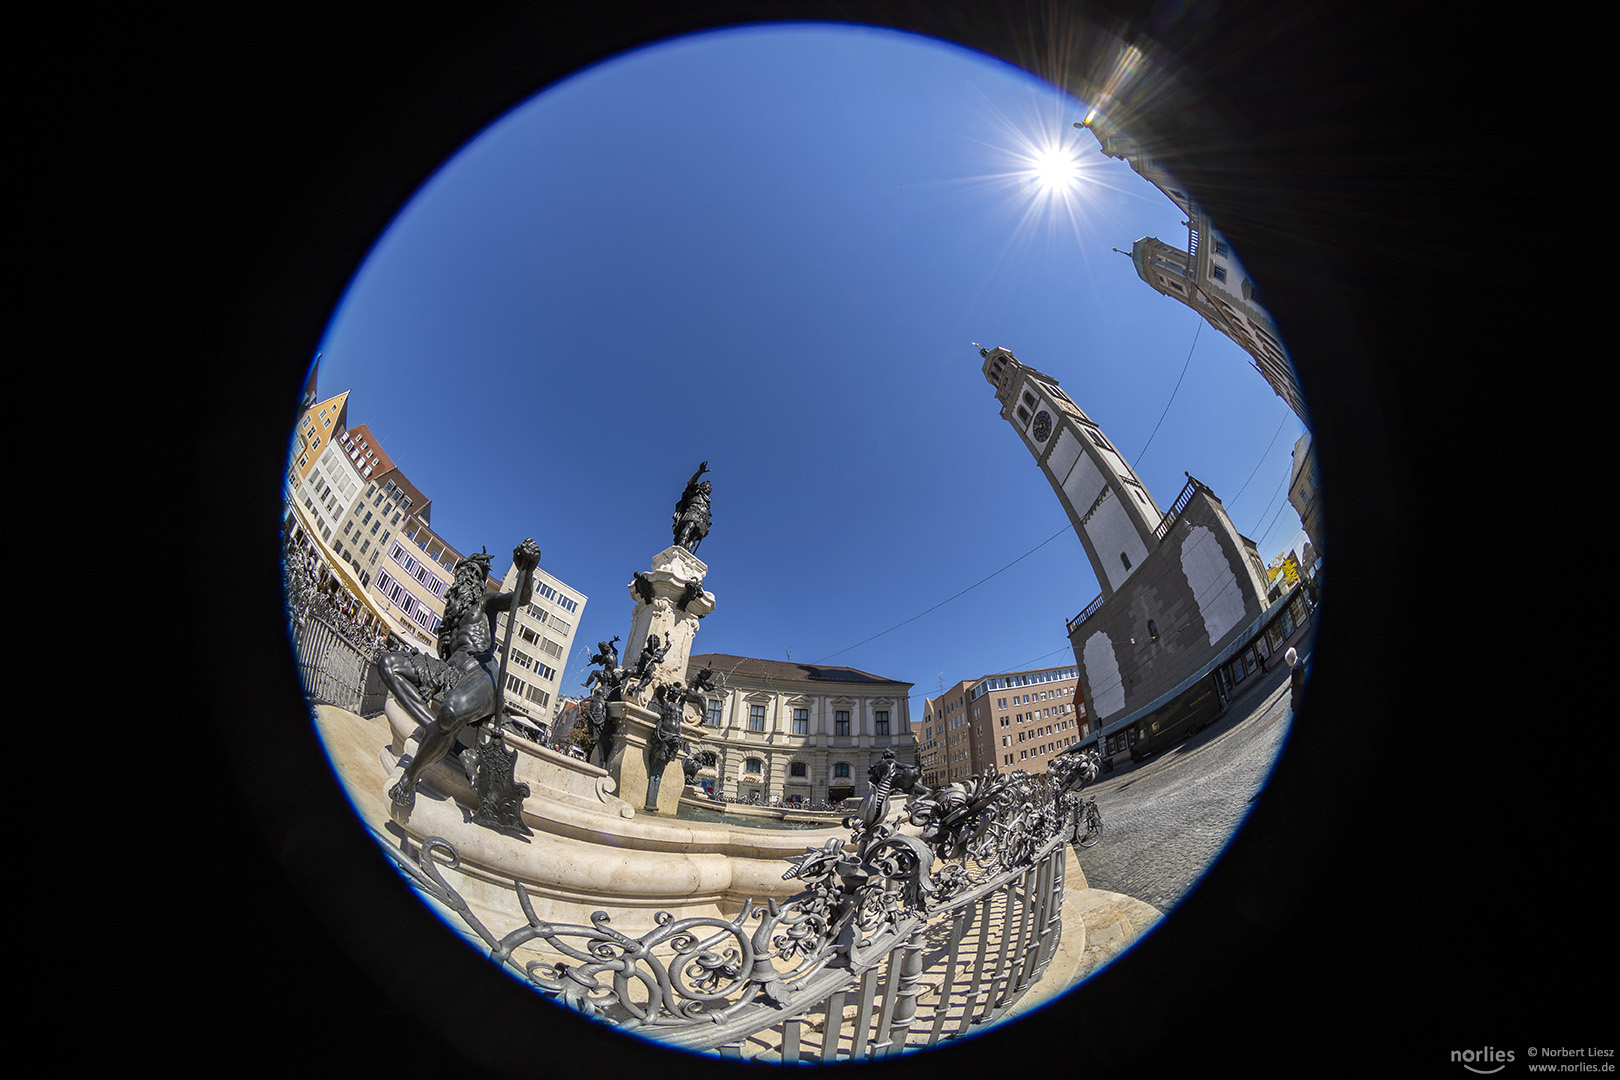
{"x":1109,"y":507}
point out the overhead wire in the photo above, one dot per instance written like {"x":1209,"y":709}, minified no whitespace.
{"x":1185,"y":364}
{"x":1167,"y":404}
{"x":1262,"y":460}
{"x":948,"y":599}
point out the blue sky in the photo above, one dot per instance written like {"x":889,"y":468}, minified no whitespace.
{"x":771,"y":249}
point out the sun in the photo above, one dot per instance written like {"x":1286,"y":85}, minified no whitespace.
{"x":1055,"y":170}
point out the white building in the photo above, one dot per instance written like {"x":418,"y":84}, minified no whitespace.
{"x":541,"y":643}
{"x":1206,"y":274}
{"x":1302,"y":494}
{"x":800,"y":733}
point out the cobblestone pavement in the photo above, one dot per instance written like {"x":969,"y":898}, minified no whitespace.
{"x":1166,"y":820}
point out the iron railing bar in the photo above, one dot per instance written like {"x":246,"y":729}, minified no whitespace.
{"x":959,"y":927}
{"x":1059,"y":880}
{"x":999,"y":964}
{"x":862,"y":1035}
{"x":905,"y":1011}
{"x":832,"y":1032}
{"x":891,"y":989}
{"x":1026,"y":930}
{"x":971,"y":1004}
{"x":1006,"y":962}
{"x":1043,"y":921}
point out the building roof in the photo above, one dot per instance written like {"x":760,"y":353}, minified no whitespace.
{"x":789,"y":669}
{"x":373,"y":454}
{"x":421,"y":505}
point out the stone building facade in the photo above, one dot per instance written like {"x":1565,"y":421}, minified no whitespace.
{"x":1006,"y":721}
{"x":800,"y":733}
{"x":1178,"y":586}
{"x":947,"y":744}
{"x":1205,"y":275}
{"x":1303,"y":486}
{"x":1022,"y":719}
{"x":1201,"y":587}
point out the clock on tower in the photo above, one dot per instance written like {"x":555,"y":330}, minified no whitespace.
{"x":1108,"y":505}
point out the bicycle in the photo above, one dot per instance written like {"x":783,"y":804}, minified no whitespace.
{"x":1090,"y":819}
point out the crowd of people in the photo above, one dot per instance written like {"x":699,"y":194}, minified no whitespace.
{"x":312,"y":588}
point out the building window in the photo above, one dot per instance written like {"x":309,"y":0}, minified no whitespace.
{"x":753,"y":765}
{"x":882,"y":721}
{"x":715,"y":709}
{"x":841,"y":722}
{"x":756,"y":718}
{"x":797,"y":769}
{"x":1219,"y":272}
{"x":841,"y":771}
{"x":801,"y":721}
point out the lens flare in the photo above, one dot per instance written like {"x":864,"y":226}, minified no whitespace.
{"x":1056,"y":170}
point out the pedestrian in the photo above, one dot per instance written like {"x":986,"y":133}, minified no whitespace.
{"x":1296,"y":679}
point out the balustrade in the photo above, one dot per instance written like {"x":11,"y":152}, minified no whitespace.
{"x":899,"y":941}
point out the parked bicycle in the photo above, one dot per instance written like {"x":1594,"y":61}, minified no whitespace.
{"x":1089,"y":826}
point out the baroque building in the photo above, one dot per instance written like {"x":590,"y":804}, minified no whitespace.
{"x":796,"y":733}
{"x":1205,"y":274}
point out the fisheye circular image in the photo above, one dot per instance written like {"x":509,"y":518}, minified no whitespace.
{"x":802,"y":542}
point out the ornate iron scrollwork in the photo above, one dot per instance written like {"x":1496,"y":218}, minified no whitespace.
{"x":864,"y":896}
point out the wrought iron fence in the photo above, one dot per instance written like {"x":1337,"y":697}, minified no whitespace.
{"x":336,"y":657}
{"x":899,"y":942}
{"x":334,"y":669}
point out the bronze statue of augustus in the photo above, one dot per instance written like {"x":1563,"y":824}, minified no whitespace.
{"x":692,"y":515}
{"x":463,"y":677}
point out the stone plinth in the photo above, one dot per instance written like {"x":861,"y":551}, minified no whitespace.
{"x":590,"y":850}
{"x":633,"y":765}
{"x":676,"y":577}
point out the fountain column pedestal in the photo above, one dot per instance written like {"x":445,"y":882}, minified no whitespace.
{"x":669,"y":602}
{"x":645,"y":779}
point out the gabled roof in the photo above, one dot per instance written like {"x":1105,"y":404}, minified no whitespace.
{"x":728,"y":664}
{"x":337,"y":405}
{"x":420,"y":503}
